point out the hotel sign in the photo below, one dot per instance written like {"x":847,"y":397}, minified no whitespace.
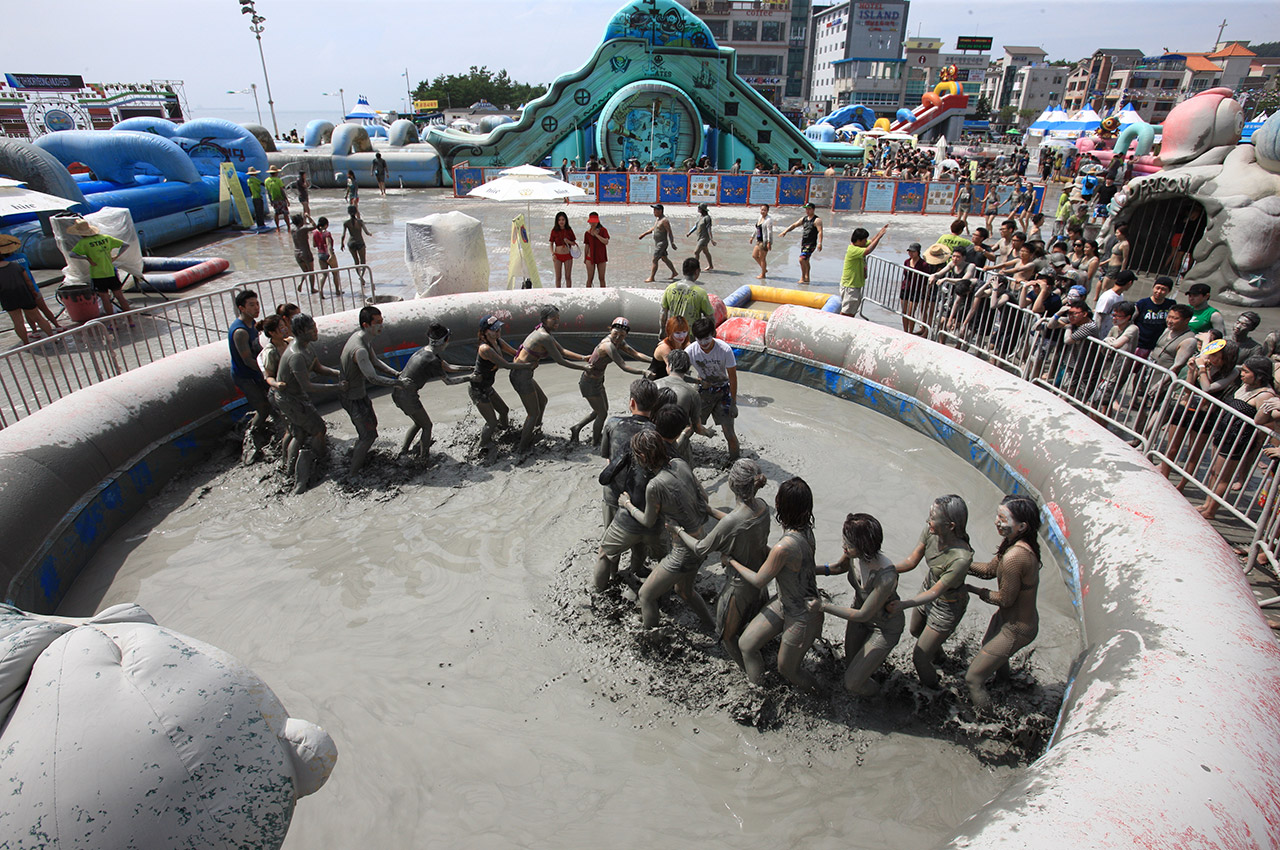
{"x":46,"y":82}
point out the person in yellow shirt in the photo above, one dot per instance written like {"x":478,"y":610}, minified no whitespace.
{"x":100,"y":250}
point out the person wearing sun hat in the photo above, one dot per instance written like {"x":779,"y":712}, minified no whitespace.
{"x":100,"y":250}
{"x":255,"y":195}
{"x":279,"y":200}
{"x":18,"y":295}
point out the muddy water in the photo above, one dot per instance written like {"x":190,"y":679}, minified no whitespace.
{"x":435,"y":622}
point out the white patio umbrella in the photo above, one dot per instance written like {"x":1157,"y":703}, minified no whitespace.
{"x":17,"y":199}
{"x":527,"y":183}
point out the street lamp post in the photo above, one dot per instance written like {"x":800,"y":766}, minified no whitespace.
{"x":408,"y":90}
{"x":258,"y":108}
{"x":256,"y":27}
{"x":341,"y":99}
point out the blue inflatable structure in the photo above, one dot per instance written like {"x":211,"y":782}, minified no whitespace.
{"x":165,"y":174}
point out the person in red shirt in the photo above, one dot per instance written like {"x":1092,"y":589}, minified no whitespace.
{"x":323,"y":240}
{"x":563,"y":241}
{"x":596,"y":248}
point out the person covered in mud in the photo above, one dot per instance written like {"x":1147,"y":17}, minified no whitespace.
{"x":718,"y":380}
{"x":591,"y":384}
{"x":427,"y":363}
{"x":362,"y":366}
{"x":292,"y":395}
{"x":790,"y":614}
{"x":622,"y":475}
{"x":672,"y":494}
{"x":743,"y":535}
{"x":1016,"y":569}
{"x":686,"y":393}
{"x":871,"y":632}
{"x":940,"y":605}
{"x":540,"y":345}
{"x":489,"y":359}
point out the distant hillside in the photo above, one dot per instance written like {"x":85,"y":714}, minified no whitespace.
{"x":1266,"y":48}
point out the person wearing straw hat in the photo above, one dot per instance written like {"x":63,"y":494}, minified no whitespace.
{"x":100,"y":250}
{"x":255,"y":195}
{"x":279,"y":200}
{"x":18,"y":292}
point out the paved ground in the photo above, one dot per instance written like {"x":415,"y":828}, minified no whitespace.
{"x":256,"y":256}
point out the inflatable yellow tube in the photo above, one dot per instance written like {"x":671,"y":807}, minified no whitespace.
{"x":777,"y":295}
{"x":748,"y":313}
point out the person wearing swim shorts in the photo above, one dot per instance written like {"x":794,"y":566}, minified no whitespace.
{"x":743,"y":535}
{"x":853,"y":279}
{"x":100,"y":250}
{"x":540,"y":345}
{"x":663,"y":241}
{"x":591,"y":383}
{"x":940,"y":605}
{"x":790,"y":615}
{"x":871,"y":632}
{"x":718,"y":381}
{"x":379,"y":170}
{"x":685,"y":298}
{"x":292,"y":396}
{"x":810,"y":238}
{"x":353,"y":232}
{"x":1016,"y":569}
{"x":489,"y":359}
{"x":703,"y":228}
{"x":426,"y":364}
{"x":245,"y":345}
{"x":279,"y":200}
{"x":302,"y":250}
{"x":673,"y":494}
{"x":362,"y":366}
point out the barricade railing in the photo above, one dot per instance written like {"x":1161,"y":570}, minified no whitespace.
{"x":42,"y":372}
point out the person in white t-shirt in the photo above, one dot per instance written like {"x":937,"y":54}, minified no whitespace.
{"x":718,"y":380}
{"x":1109,"y":299}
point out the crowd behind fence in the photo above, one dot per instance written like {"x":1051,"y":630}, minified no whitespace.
{"x":1214,"y":453}
{"x":44,"y":371}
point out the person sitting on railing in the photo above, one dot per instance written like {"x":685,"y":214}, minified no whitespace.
{"x":955,"y":281}
{"x":1236,"y":441}
{"x":1213,"y":372}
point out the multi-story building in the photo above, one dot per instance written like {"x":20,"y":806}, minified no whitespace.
{"x":856,"y":55}
{"x":797,"y":61}
{"x":1155,"y":84}
{"x":1035,"y":87}
{"x":1086,"y":85}
{"x":759,"y":30}
{"x":997,"y":85}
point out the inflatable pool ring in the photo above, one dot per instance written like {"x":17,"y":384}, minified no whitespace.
{"x":737,"y":301}
{"x":881,"y":124}
{"x":946,"y":86}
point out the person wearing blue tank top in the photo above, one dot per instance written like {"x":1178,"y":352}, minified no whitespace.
{"x":243,"y":341}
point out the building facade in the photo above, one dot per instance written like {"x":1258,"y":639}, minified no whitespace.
{"x":856,"y":55}
{"x":760,"y":32}
{"x":1086,"y":86}
{"x":997,"y":85}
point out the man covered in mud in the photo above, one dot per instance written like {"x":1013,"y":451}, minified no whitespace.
{"x":427,"y":363}
{"x":362,"y":366}
{"x":686,"y":393}
{"x":538,"y":346}
{"x":623,"y":475}
{"x":718,"y":380}
{"x":292,"y":395}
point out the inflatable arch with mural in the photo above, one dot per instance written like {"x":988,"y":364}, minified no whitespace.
{"x":648,"y":90}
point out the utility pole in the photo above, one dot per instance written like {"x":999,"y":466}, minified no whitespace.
{"x":255,"y":26}
{"x":1220,"y":29}
{"x":408,"y":90}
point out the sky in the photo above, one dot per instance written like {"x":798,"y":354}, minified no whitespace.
{"x":365,"y":46}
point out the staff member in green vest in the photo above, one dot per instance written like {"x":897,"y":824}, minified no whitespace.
{"x":255,"y":195}
{"x":279,"y":200}
{"x":100,"y":250}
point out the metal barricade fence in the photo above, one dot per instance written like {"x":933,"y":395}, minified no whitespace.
{"x":42,"y":372}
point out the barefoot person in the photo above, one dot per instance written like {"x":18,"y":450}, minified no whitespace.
{"x":790,"y":561}
{"x":292,"y":395}
{"x":354,"y":231}
{"x":703,"y":228}
{"x":591,"y":384}
{"x":302,"y":250}
{"x":810,"y":238}
{"x":595,"y":249}
{"x":1016,"y":569}
{"x":872,"y":632}
{"x":663,"y":240}
{"x":563,"y":240}
{"x":362,"y":366}
{"x":540,"y":345}
{"x":243,"y":340}
{"x":718,"y":381}
{"x":427,"y":363}
{"x":743,"y":535}
{"x":944,"y":546}
{"x":762,"y":241}
{"x":674,"y":495}
{"x":489,"y":359}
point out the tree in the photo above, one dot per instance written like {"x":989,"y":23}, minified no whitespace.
{"x":982,"y":111}
{"x":457,"y":91}
{"x":1027,"y":114}
{"x":1007,"y":114}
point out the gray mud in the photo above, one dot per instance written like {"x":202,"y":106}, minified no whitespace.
{"x":435,"y":619}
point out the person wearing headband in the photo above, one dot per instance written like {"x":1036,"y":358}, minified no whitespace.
{"x":426,"y":364}
{"x":540,"y":345}
{"x":489,"y":359}
{"x":591,"y":383}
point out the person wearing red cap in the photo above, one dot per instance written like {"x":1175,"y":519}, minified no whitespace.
{"x":591,"y":382}
{"x":595,"y":244}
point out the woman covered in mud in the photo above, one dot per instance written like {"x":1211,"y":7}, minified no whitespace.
{"x":1016,"y":569}
{"x":942,"y":600}
{"x":872,"y":632}
{"x":743,"y":535}
{"x":591,"y":383}
{"x":790,"y":561}
{"x":489,"y":359}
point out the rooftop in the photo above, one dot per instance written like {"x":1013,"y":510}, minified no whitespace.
{"x":1013,"y":48}
{"x":1199,"y":63}
{"x":1233,"y":49}
{"x":1124,"y":52}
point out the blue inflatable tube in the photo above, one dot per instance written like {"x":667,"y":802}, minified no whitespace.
{"x":832,"y":305}
{"x":319,"y":132}
{"x":119,"y":156}
{"x":740,"y":297}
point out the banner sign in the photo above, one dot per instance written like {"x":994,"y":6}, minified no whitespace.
{"x":704,"y":189}
{"x":879,"y":196}
{"x":585,"y":180}
{"x":764,"y":190}
{"x":792,"y":190}
{"x":642,"y":188}
{"x":941,"y":198}
{"x":612,"y":188}
{"x":45,"y":82}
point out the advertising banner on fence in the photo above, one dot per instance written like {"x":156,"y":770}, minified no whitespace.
{"x":879,"y":197}
{"x":642,"y":188}
{"x":704,"y":189}
{"x":792,"y":190}
{"x":733,"y":188}
{"x":673,"y":188}
{"x":585,"y":181}
{"x":849,"y":195}
{"x":822,"y":191}
{"x":942,"y":197}
{"x":909,"y":197}
{"x":764,"y":190}
{"x":612,"y":188}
